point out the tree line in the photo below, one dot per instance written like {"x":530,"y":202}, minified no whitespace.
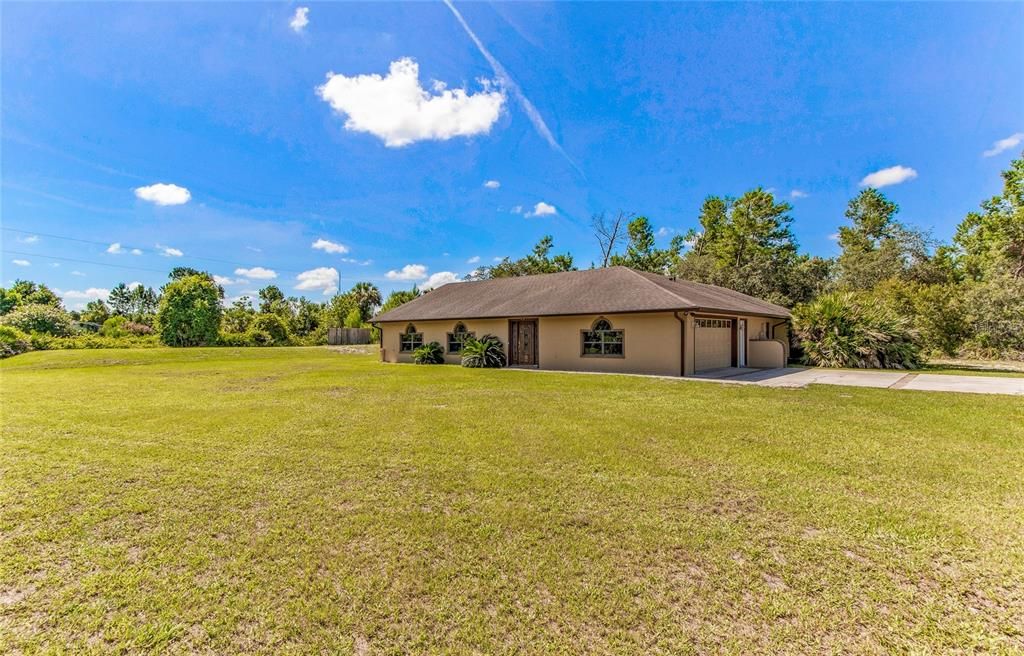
{"x":189,"y":310}
{"x":965,"y":297}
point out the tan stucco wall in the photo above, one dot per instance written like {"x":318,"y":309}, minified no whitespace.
{"x":651,"y":344}
{"x":437,"y":331}
{"x":765,"y":353}
{"x":651,"y":341}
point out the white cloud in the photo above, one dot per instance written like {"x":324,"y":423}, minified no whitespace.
{"x":396,"y":109}
{"x":77,"y":299}
{"x":517,"y":209}
{"x":408,"y":272}
{"x":796,"y":193}
{"x":77,"y":273}
{"x":349,"y":260}
{"x":1003,"y":145}
{"x":834,"y":236}
{"x":31,"y":239}
{"x":890,"y":176}
{"x":164,"y":194}
{"x":438,"y":279}
{"x":224,"y":280}
{"x":325,"y":279}
{"x":55,"y":265}
{"x":115,"y":248}
{"x":498,"y":258}
{"x":254,"y":249}
{"x":664,"y":232}
{"x":91,"y":294}
{"x":21,"y":262}
{"x":256,"y":273}
{"x":136,"y":251}
{"x":133,"y":284}
{"x":167,"y":251}
{"x":329,"y":246}
{"x":300,"y":19}
{"x":542,"y":209}
{"x":473,"y":260}
{"x":492,"y":184}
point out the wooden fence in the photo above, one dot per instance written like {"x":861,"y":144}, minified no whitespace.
{"x":336,"y":336}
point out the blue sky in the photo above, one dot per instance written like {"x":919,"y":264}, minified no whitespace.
{"x":642,"y":107}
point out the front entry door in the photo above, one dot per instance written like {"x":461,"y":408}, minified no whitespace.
{"x":522,"y":342}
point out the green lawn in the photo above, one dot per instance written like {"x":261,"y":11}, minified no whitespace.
{"x":307,"y":501}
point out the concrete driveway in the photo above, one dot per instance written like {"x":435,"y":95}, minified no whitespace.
{"x":802,"y":377}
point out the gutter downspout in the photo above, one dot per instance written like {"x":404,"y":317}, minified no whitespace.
{"x":682,"y":344}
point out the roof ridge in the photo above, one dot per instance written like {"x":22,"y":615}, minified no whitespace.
{"x":685,"y":301}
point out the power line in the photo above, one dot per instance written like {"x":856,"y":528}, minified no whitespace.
{"x":148,"y":250}
{"x":71,"y":259}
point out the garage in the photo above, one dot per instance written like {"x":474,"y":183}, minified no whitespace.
{"x":712,"y":344}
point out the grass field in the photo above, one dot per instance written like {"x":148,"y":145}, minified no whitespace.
{"x":307,"y":501}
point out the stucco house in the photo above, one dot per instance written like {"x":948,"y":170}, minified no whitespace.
{"x":614,"y":320}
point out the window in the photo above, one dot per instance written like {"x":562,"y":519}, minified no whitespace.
{"x":713,"y":323}
{"x":410,"y":340}
{"x":603,"y":341}
{"x":457,"y":338}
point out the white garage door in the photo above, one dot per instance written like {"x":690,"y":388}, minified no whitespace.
{"x":712,"y":343}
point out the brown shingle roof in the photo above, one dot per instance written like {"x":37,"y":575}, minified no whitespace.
{"x":593,"y":291}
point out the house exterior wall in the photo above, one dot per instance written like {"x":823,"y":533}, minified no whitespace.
{"x":437,"y":331}
{"x":651,"y":344}
{"x":651,"y":341}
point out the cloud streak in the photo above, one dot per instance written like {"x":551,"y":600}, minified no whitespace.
{"x":1003,"y":145}
{"x":506,"y":81}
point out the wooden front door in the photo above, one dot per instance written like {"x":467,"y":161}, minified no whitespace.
{"x":522,"y":342}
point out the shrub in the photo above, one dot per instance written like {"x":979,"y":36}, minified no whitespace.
{"x":234,"y":339}
{"x":40,"y":318}
{"x":13,"y":342}
{"x":114,"y":327}
{"x":487,"y":351}
{"x":189,"y":313}
{"x":269,"y":330}
{"x":847,"y":330}
{"x":138,"y":329}
{"x":41,"y":342}
{"x":431,"y":353}
{"x":354,"y":318}
{"x":996,"y":317}
{"x":938,"y":312}
{"x":259,"y":338}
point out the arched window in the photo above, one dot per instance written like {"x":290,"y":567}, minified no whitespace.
{"x":603,"y":341}
{"x":457,"y":337}
{"x":410,"y":340}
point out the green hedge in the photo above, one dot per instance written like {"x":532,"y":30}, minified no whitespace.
{"x":42,"y":342}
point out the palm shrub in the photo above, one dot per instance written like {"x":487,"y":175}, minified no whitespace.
{"x":487,"y":351}
{"x":849,"y":330}
{"x":431,"y":353}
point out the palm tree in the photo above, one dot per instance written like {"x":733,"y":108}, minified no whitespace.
{"x":367,"y":297}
